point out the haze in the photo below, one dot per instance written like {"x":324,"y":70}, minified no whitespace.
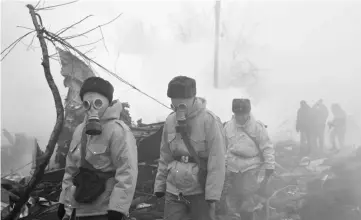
{"x":302,"y":49}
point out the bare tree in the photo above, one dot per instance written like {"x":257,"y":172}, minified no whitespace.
{"x":44,"y":159}
{"x":58,"y":40}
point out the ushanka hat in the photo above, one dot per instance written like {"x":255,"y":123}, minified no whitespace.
{"x":98,"y":85}
{"x":241,"y":106}
{"x":182,"y":87}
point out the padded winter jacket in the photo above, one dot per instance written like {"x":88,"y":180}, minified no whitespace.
{"x":207,"y":137}
{"x":242,"y":152}
{"x":113,"y":150}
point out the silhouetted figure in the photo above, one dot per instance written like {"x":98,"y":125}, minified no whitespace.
{"x":338,"y":126}
{"x":320,"y":118}
{"x":304,"y":126}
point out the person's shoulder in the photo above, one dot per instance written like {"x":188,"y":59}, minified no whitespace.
{"x":228,"y":127}
{"x":118,"y":126}
{"x":170,"y":118}
{"x":210,"y":116}
{"x":227,"y":124}
{"x":260,"y":124}
{"x":78,"y":129}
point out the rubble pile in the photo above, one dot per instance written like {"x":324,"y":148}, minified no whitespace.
{"x":302,"y":188}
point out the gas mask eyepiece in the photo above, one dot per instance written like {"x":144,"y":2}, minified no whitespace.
{"x":93,"y":126}
{"x":96,"y":104}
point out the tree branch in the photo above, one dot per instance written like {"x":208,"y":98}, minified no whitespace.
{"x":54,"y":6}
{"x":88,"y":44}
{"x":25,"y":28}
{"x":90,"y":30}
{"x":13,"y":44}
{"x":84,"y":56}
{"x":103,"y":40}
{"x":71,"y":26}
{"x":39,"y":171}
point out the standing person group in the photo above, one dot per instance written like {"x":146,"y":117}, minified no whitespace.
{"x":197,"y":156}
{"x":311,"y":124}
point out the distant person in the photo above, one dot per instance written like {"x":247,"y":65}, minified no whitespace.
{"x":337,"y":126}
{"x":320,"y":119}
{"x":304,"y":126}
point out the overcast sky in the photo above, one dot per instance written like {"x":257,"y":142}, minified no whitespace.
{"x":305,"y":50}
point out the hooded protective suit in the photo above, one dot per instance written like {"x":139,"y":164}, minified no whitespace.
{"x":113,"y":150}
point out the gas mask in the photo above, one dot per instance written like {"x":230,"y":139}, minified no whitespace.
{"x":181,"y":112}
{"x":93,"y":126}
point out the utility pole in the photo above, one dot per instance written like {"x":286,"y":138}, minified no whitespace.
{"x":216,"y":41}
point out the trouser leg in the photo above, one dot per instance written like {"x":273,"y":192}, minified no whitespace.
{"x":309,"y":137}
{"x":233,"y":197}
{"x":199,"y":208}
{"x":322,"y":137}
{"x":341,"y":137}
{"x":175,"y":209}
{"x":240,"y":199}
{"x":234,"y":203}
{"x":302,"y":143}
{"x":333,"y":139}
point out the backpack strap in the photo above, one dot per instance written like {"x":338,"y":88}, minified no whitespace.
{"x":256,"y":143}
{"x":202,"y":166}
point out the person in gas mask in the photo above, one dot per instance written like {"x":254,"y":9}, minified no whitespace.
{"x":337,"y":126}
{"x":249,"y":149}
{"x":191,"y":168}
{"x":101,"y":165}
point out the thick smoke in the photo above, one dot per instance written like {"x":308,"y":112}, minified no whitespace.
{"x":276,"y":53}
{"x":274,"y":60}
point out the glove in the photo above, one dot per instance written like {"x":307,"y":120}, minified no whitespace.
{"x":113,"y":215}
{"x":61,"y":211}
{"x":263,"y":186}
{"x":159,"y":194}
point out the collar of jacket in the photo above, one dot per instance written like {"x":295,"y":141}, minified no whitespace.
{"x":198,"y":106}
{"x":249,"y":123}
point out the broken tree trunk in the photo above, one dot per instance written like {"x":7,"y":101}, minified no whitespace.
{"x":44,"y":160}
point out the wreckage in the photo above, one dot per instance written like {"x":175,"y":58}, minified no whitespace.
{"x":307,"y":189}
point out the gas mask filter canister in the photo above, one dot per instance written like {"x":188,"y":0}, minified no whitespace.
{"x":93,"y":126}
{"x":181,"y":111}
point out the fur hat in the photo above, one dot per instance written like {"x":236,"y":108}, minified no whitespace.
{"x":241,"y":106}
{"x":182,"y":87}
{"x":98,"y":85}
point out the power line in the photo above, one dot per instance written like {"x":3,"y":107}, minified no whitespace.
{"x":112,"y":73}
{"x":129,"y":84}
